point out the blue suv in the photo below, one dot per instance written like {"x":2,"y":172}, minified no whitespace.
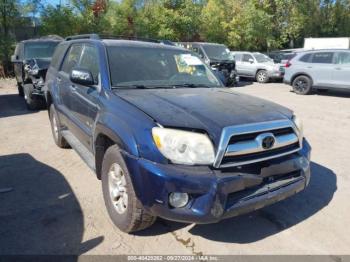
{"x":165,"y":137}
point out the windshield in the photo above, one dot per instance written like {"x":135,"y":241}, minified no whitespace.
{"x":218,"y":52}
{"x":39,"y":49}
{"x":260,"y":58}
{"x":157,"y":67}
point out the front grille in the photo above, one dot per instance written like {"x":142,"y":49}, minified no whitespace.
{"x":259,"y":155}
{"x":242,"y":145}
{"x":252,"y":136}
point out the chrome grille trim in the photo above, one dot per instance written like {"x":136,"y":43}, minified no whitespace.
{"x":225,"y":149}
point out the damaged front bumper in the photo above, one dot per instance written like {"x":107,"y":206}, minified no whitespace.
{"x":217,"y":194}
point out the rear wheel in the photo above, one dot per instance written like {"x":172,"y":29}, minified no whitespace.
{"x":123,"y":207}
{"x":56,"y":128}
{"x":262,"y":76}
{"x":302,"y":85}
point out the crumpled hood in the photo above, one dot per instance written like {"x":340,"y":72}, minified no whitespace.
{"x":209,"y":109}
{"x":41,"y":63}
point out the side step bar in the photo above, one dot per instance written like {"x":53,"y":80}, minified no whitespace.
{"x":82,"y":151}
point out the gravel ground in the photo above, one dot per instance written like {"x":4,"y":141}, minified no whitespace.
{"x":51,"y":203}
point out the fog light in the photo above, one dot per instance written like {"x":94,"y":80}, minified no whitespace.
{"x":178,"y":199}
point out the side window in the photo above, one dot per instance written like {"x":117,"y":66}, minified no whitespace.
{"x":305,"y":58}
{"x":343,"y":58}
{"x":246,"y":58}
{"x":89,"y":61}
{"x":72,"y":58}
{"x":323,"y":58}
{"x":57,"y":56}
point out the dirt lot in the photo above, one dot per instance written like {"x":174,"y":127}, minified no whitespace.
{"x":50,"y":201}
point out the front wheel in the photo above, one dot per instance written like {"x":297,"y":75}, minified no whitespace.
{"x":302,"y":85}
{"x":33,"y":103}
{"x":262,"y":76}
{"x":20,"y":89}
{"x":123,"y":207}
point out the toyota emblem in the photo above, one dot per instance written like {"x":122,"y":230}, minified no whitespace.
{"x":268,"y":142}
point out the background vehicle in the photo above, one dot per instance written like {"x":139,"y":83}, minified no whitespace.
{"x":160,"y":131}
{"x":257,"y":66}
{"x":31,"y":61}
{"x":218,"y":57}
{"x":327,"y":43}
{"x":281,"y":57}
{"x":322,"y":69}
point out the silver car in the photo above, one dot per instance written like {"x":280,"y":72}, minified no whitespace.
{"x":321,"y":69}
{"x":257,"y":66}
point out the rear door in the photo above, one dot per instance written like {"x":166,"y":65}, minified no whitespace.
{"x":84,"y":99}
{"x":341,"y":70}
{"x":320,"y":68}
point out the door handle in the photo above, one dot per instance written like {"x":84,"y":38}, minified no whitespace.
{"x":309,"y":67}
{"x":338,"y":68}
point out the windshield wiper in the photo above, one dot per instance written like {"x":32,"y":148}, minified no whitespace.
{"x":130,"y":86}
{"x":191,"y":85}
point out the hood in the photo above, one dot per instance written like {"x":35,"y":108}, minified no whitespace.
{"x":209,"y":109}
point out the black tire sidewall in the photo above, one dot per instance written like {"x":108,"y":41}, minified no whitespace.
{"x":122,"y":221}
{"x":59,"y":140}
{"x":309,"y":85}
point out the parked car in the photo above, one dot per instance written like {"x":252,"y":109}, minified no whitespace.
{"x":281,"y":57}
{"x":166,"y":138}
{"x":218,"y":57}
{"x":257,"y":66}
{"x":322,"y":69}
{"x":31,"y":61}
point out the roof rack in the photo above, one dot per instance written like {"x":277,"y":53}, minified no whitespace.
{"x":85,"y":36}
{"x":100,"y":37}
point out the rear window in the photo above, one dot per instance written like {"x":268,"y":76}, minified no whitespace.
{"x":323,"y":58}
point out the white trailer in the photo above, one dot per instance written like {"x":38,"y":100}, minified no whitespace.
{"x":327,"y":43}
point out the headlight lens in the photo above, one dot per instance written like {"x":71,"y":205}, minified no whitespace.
{"x":299,"y":124}
{"x":183,"y":147}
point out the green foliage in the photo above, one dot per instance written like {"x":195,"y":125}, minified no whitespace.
{"x":241,"y":24}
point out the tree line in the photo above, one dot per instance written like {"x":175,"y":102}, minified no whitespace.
{"x":240,"y":24}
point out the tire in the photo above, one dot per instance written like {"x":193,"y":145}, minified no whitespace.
{"x":124,"y":209}
{"x":20,"y":89}
{"x":262,"y":76}
{"x":56,"y":128}
{"x":32,"y":102}
{"x":302,"y":85}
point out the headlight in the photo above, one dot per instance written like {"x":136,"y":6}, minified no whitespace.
{"x":183,"y":147}
{"x":299,"y":124}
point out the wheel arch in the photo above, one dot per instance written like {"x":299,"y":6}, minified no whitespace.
{"x":105,"y":137}
{"x":301,"y":74}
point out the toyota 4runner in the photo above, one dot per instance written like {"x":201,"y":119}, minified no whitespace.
{"x":166,"y":138}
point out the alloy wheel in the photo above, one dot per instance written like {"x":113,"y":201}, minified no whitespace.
{"x":117,"y":188}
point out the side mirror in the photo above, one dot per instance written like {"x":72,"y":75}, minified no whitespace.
{"x":82,"y":77}
{"x":251,"y":60}
{"x":14,"y":58}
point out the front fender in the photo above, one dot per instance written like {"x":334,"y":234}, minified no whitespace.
{"x":116,"y":129}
